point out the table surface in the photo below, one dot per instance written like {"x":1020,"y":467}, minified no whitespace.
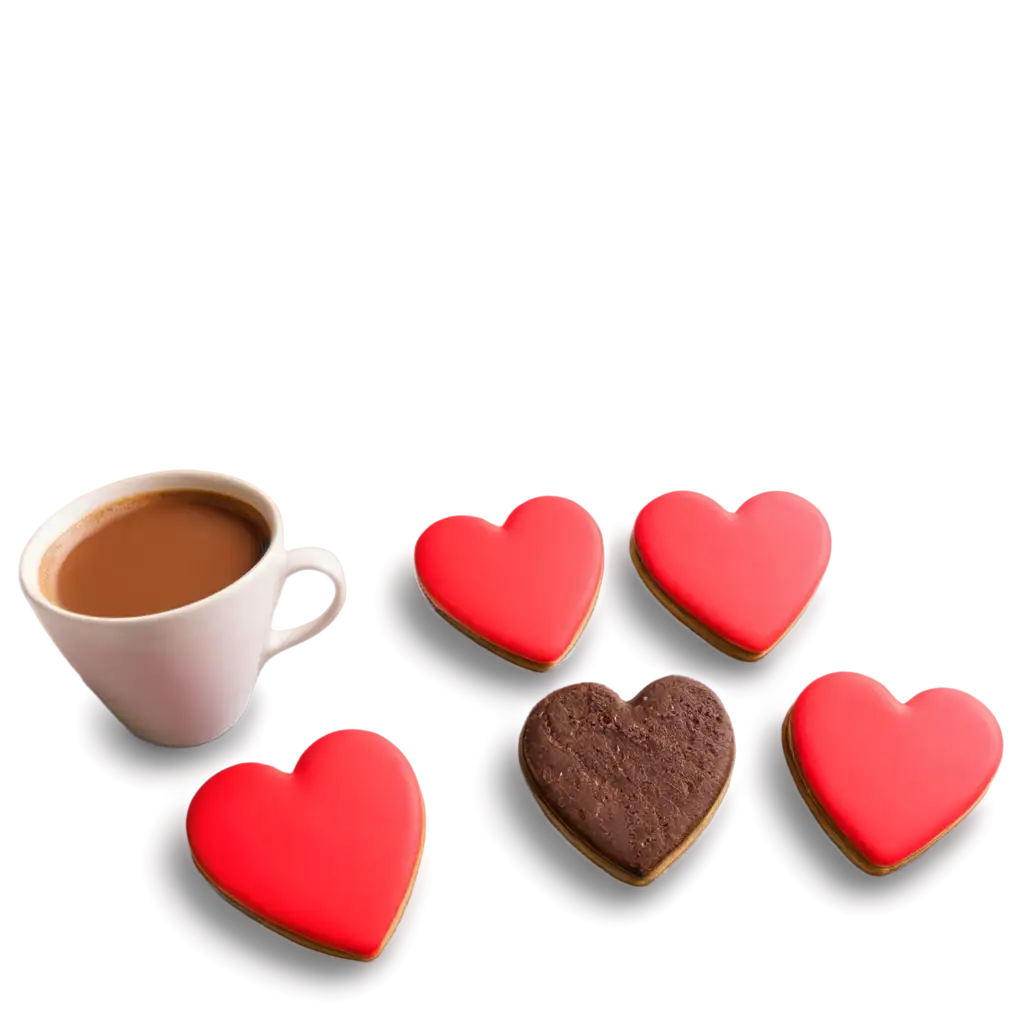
{"x":354,"y":236}
{"x":925,"y":586}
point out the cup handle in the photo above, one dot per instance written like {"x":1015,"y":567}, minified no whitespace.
{"x":322,"y":561}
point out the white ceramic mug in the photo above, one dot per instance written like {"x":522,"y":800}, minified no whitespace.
{"x":184,"y":676}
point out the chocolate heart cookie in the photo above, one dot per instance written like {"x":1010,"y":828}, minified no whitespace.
{"x":629,"y":783}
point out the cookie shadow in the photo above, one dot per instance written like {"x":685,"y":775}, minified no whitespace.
{"x":418,"y":640}
{"x":222,"y":938}
{"x":669,"y":632}
{"x":135,"y":766}
{"x":552,"y":871}
{"x":826,"y":858}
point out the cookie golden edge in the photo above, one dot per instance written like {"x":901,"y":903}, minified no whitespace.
{"x":694,"y":624}
{"x":301,"y":940}
{"x":832,"y":830}
{"x":588,"y":851}
{"x":516,"y":659}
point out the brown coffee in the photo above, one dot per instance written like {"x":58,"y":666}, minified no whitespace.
{"x":152,"y":552}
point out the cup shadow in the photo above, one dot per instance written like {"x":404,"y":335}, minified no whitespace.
{"x":825,"y":857}
{"x":222,"y":938}
{"x":418,"y":640}
{"x":554,"y":873}
{"x":135,"y":766}
{"x":672,"y":634}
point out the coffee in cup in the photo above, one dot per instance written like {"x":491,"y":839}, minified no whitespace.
{"x":152,"y":552}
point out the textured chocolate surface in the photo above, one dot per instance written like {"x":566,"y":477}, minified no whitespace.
{"x":632,"y":779}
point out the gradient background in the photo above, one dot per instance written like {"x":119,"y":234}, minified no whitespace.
{"x":574,"y":237}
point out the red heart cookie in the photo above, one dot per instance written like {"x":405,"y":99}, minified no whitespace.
{"x":884,"y":779}
{"x":523,"y":590}
{"x":326,"y":855}
{"x":738,"y":579}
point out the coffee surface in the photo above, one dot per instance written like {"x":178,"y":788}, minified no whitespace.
{"x":152,"y":552}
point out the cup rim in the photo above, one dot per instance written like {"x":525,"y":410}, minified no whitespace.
{"x":78,"y":508}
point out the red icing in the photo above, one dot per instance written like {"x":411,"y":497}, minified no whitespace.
{"x":327,"y":852}
{"x":746,"y":575}
{"x":892,"y":776}
{"x":527,"y":586}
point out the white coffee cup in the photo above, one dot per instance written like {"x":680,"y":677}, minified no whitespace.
{"x":181,"y":677}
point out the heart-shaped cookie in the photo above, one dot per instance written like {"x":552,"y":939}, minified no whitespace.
{"x":884,"y":779}
{"x":738,"y":579}
{"x":632,"y":783}
{"x":326,"y":855}
{"x":523,"y":590}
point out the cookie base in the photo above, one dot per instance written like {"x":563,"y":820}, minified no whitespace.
{"x":829,"y":826}
{"x":698,"y":627}
{"x":516,"y":659}
{"x":588,"y":851}
{"x":309,"y":943}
